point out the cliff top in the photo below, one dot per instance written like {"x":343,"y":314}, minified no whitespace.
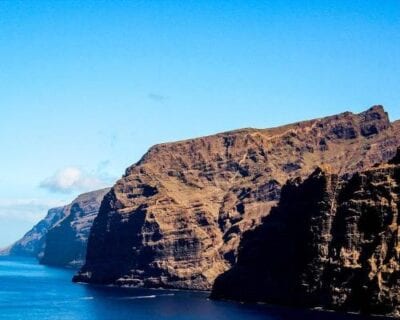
{"x":376,"y":112}
{"x":343,"y":126}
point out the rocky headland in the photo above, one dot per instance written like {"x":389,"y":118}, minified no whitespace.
{"x":66,"y":241}
{"x":176,"y":218}
{"x":60,"y":239}
{"x":33,"y":242}
{"x":331,"y":242}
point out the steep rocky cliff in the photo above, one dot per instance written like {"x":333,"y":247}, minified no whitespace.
{"x":33,"y":242}
{"x":66,"y":242}
{"x":176,"y":217}
{"x":61,"y":237}
{"x":331,"y":242}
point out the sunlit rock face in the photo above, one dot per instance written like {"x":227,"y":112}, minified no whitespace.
{"x":331,"y":242}
{"x":176,"y":217}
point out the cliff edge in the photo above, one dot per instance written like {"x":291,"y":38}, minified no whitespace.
{"x":176,"y":218}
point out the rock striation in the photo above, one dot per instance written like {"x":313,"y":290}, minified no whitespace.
{"x":332,"y":242}
{"x":66,"y":241}
{"x":60,"y":239}
{"x":175,"y":219}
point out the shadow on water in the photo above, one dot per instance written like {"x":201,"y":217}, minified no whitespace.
{"x":167,"y":304}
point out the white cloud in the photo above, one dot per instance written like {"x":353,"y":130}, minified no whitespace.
{"x":71,"y":179}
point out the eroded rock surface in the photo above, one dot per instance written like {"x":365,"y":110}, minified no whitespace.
{"x":331,"y":242}
{"x":176,"y":217}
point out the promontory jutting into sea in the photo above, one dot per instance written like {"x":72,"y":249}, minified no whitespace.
{"x":199,"y":160}
{"x":303,"y":215}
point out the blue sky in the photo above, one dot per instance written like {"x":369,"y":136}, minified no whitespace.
{"x":86,"y":87}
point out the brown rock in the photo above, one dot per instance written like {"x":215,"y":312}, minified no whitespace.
{"x":176,"y":217}
{"x":396,"y":159}
{"x":331,"y":242}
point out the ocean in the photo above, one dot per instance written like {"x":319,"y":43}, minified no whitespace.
{"x":32,"y":291}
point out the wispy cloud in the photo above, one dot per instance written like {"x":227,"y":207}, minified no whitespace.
{"x":157,"y":97}
{"x":102,"y":173}
{"x":27,"y":209}
{"x":72,"y":179}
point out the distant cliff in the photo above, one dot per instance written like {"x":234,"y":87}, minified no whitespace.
{"x":331,"y":242}
{"x":176,"y":217}
{"x":66,"y":242}
{"x":61,"y":237}
{"x":33,"y":242}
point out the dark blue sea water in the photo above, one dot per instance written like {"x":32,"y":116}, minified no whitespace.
{"x":31,"y":291}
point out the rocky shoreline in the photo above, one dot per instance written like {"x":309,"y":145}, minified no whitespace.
{"x":302,"y":215}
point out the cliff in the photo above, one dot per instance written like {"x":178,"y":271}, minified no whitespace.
{"x":176,"y":217}
{"x":61,"y":237}
{"x":33,"y":242}
{"x":66,"y":241}
{"x":331,"y":242}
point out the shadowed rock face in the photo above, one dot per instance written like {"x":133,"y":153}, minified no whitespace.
{"x":65,"y":243}
{"x":176,"y":217}
{"x":331,"y":242}
{"x":61,"y":237}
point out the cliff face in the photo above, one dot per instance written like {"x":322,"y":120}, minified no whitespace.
{"x":66,"y":241}
{"x":176,"y":217}
{"x":33,"y":242}
{"x":331,"y":242}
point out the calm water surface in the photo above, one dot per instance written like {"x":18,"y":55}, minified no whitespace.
{"x":31,"y":291}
